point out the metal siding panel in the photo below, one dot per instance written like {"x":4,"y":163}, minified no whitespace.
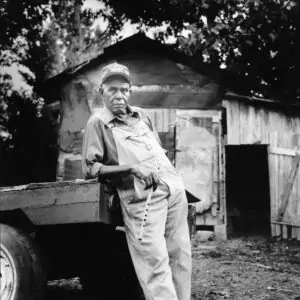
{"x":197,"y":136}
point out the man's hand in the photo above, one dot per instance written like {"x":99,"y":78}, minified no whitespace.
{"x":150,"y":178}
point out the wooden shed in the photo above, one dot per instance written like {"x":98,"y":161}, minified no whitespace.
{"x":237,"y":154}
{"x":262,"y":153}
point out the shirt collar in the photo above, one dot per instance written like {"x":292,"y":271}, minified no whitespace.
{"x":107,"y":116}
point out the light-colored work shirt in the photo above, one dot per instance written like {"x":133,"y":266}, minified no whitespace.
{"x":110,"y":141}
{"x":99,"y":147}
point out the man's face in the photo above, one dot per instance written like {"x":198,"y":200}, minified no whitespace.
{"x":115,"y":93}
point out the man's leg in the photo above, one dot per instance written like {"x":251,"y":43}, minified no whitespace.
{"x":150,"y":255}
{"x":178,"y":243}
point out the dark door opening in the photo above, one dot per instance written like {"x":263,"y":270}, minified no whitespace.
{"x":247,"y":190}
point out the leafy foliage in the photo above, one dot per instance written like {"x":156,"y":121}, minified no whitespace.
{"x":72,"y":34}
{"x":257,"y":40}
{"x":34,"y":35}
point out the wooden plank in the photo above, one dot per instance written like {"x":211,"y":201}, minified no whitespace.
{"x":278,"y":230}
{"x":285,"y":223}
{"x":288,"y":187}
{"x":284,"y":151}
{"x":297,"y":197}
{"x":222,"y":214}
{"x":69,"y":213}
{"x":286,"y":169}
{"x":166,"y":120}
{"x":160,"y":116}
{"x":291,"y":214}
{"x":273,"y":230}
{"x":274,"y":142}
{"x":252,"y":127}
{"x":294,"y":232}
{"x":216,"y":173}
{"x":45,"y":185}
{"x":55,"y":196}
{"x":174,"y":89}
{"x":192,"y":219}
{"x":280,"y":183}
{"x":214,"y":209}
{"x":243,"y":109}
{"x":272,"y":184}
{"x":275,"y":202}
{"x":284,"y":231}
{"x":233,"y":122}
{"x":281,"y":140}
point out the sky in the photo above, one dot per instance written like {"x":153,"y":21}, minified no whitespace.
{"x":20,"y":85}
{"x":128,"y":28}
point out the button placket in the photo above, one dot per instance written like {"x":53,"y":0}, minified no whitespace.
{"x":143,"y":225}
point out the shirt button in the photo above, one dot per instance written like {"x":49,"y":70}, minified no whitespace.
{"x":148,"y":147}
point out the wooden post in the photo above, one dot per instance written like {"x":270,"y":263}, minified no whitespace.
{"x":192,"y":219}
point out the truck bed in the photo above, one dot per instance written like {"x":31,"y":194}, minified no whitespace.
{"x":57,"y":202}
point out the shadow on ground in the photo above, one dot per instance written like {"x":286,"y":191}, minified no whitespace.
{"x":64,"y":289}
{"x":238,"y":269}
{"x":71,"y":289}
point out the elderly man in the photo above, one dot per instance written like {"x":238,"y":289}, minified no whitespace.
{"x":121,"y":147}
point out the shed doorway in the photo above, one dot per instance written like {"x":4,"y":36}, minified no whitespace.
{"x":247,"y":190}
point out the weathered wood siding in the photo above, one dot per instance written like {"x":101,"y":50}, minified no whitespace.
{"x":280,"y":129}
{"x":285,"y":192}
{"x":157,"y":81}
{"x":250,"y":124}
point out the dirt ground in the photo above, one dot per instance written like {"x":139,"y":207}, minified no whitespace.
{"x":240,"y":269}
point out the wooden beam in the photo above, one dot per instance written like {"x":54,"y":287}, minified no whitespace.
{"x":65,"y":214}
{"x":285,"y":223}
{"x":176,"y":89}
{"x":49,"y":194}
{"x":283,"y":151}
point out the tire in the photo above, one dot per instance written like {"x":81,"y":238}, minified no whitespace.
{"x":22,"y":274}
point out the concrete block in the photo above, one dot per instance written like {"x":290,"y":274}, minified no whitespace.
{"x":204,"y":236}
{"x":221,"y":232}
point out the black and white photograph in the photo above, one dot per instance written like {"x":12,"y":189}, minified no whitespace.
{"x":149,"y":150}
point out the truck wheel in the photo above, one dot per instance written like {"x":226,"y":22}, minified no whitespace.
{"x":21,"y":274}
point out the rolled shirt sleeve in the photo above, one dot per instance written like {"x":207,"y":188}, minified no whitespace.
{"x":92,"y":149}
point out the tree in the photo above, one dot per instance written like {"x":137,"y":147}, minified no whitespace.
{"x":257,"y":40}
{"x":72,"y":34}
{"x":29,"y":53}
{"x":22,"y":61}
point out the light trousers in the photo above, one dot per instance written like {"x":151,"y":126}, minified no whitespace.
{"x":158,"y":240}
